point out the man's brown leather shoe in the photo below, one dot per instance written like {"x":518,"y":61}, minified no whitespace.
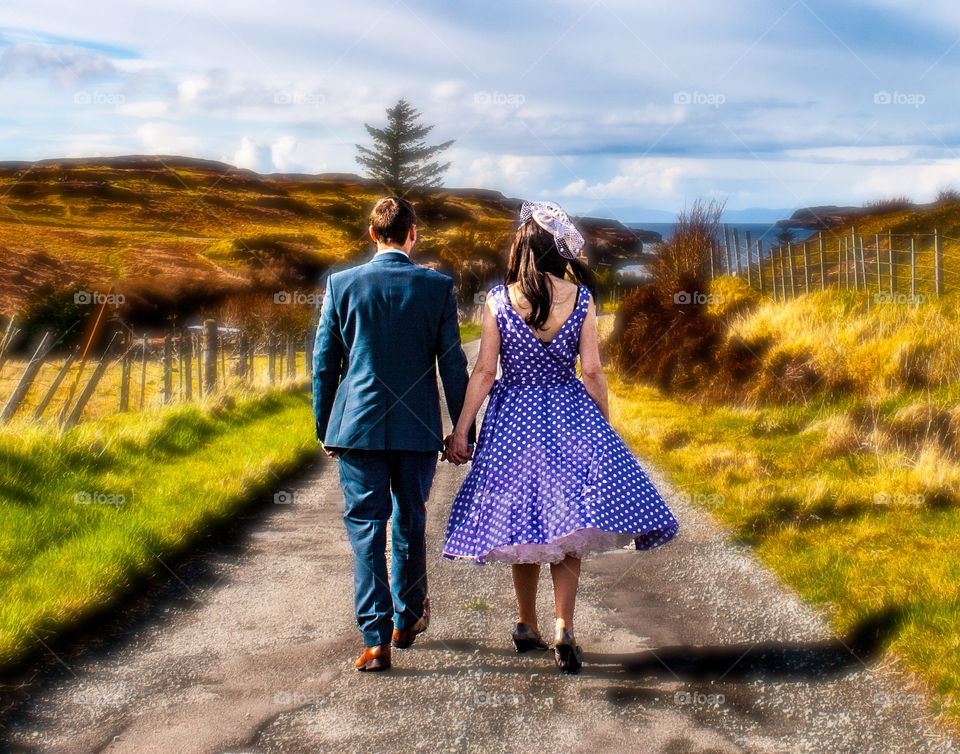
{"x":374,"y":658}
{"x":404,"y":639}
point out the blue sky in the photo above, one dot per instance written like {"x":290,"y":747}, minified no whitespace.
{"x":611,"y":107}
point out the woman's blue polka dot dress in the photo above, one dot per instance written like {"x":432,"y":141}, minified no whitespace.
{"x":550,"y":477}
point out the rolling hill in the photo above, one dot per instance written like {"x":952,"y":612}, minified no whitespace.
{"x":177,"y":236}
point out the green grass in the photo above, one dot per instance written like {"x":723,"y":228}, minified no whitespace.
{"x":88,"y":514}
{"x":857,"y":530}
{"x":469,"y":331}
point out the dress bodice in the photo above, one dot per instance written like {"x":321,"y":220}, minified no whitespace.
{"x":524,"y":358}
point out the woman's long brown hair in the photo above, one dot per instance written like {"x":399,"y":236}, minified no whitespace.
{"x":533,"y":256}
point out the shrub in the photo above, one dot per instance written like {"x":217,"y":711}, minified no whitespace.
{"x":894,"y":204}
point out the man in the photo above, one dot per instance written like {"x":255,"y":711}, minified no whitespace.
{"x":385,"y":329}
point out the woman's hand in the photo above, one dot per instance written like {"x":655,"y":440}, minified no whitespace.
{"x":456,"y":449}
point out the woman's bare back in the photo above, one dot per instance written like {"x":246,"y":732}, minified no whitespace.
{"x":564,"y":301}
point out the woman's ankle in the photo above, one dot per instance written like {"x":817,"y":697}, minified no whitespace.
{"x":528,"y":621}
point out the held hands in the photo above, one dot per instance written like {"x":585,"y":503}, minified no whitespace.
{"x":456,"y":450}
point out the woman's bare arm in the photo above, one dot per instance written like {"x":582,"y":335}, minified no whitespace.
{"x":481,"y":380}
{"x":591,"y":369}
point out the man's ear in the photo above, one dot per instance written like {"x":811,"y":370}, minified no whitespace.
{"x":372,"y":234}
{"x":412,"y":235}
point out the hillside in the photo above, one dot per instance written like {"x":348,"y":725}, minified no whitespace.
{"x":177,"y":235}
{"x":898,"y":215}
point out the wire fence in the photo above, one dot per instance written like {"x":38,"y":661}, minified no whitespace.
{"x":141,"y":372}
{"x":894,"y":266}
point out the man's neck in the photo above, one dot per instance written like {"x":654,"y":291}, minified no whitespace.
{"x":382,"y":249}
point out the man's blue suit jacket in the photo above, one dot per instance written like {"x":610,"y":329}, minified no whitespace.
{"x":385,"y":328}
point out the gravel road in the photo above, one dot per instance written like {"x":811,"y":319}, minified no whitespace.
{"x":691,"y":648}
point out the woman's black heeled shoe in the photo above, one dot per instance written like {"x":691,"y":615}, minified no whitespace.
{"x":526,"y":639}
{"x":568,"y":654}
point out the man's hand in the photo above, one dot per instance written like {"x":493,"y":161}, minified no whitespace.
{"x":456,"y":450}
{"x":330,"y":453}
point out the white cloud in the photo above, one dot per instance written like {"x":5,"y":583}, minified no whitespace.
{"x":282,"y":155}
{"x":252,"y":156}
{"x":167,"y":138}
{"x":646,"y":177}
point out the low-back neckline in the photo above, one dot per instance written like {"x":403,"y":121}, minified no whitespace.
{"x":545,"y":344}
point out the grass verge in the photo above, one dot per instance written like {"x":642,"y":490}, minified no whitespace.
{"x":857,"y":531}
{"x":88,"y":514}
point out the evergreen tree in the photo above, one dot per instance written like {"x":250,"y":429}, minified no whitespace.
{"x":399,"y":158}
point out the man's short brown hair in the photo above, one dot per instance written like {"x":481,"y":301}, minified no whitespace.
{"x":391,"y":220}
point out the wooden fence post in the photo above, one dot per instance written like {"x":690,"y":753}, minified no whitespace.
{"x":209,"y":356}
{"x":179,"y":357}
{"x":221,"y":344}
{"x":938,"y":262}
{"x":186,"y":345}
{"x":806,"y":269}
{"x":760,"y":264}
{"x":857,"y":282}
{"x":198,"y":352}
{"x":272,"y":358}
{"x":308,"y":351}
{"x":242,"y":356}
{"x":143,"y":371}
{"x":8,"y":335}
{"x":167,"y":366}
{"x":125,"y":376}
{"x":291,"y":370}
{"x":726,"y":248}
{"x":713,"y":246}
{"x":793,"y":283}
{"x":746,"y":241}
{"x":91,"y":385}
{"x":783,"y":274}
{"x":51,"y":391}
{"x":27,"y":378}
{"x":823,"y":267}
{"x":736,"y":251}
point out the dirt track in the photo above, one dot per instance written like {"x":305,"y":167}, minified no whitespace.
{"x":690,"y":648}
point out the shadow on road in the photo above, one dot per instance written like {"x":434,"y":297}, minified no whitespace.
{"x":731,"y":663}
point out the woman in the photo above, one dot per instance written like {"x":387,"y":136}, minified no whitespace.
{"x":551,"y":481}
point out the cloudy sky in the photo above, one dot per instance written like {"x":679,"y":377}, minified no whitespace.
{"x":615,"y":107}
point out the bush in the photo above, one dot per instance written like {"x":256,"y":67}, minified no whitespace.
{"x":894,"y":204}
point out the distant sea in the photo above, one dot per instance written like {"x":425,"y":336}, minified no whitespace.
{"x":766,"y":232}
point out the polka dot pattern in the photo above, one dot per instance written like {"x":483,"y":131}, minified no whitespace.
{"x":550,"y":476}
